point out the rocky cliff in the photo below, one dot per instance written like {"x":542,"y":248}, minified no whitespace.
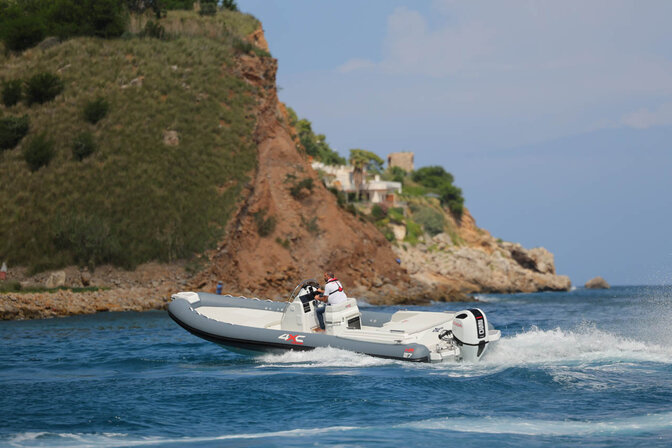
{"x":312,"y":233}
{"x":285,"y":225}
{"x":471,"y":260}
{"x":306,"y":231}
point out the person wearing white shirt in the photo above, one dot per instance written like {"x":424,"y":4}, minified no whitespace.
{"x":332,"y":294}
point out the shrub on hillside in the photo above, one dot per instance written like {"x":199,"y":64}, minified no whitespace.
{"x":68,"y":18}
{"x":43,"y":87}
{"x":432,"y":176}
{"x":39,"y":152}
{"x":397,"y":174}
{"x":83,"y":146}
{"x":396,"y":215}
{"x":95,"y":110}
{"x":439,"y":180}
{"x":230,"y":5}
{"x":187,"y":5}
{"x":23,"y":24}
{"x":22,"y":32}
{"x":451,"y":196}
{"x":302,"y":188}
{"x":12,"y":131}
{"x":265,"y":226}
{"x":378,"y":212}
{"x":208,"y":8}
{"x":154,"y":29}
{"x":87,"y":238}
{"x":11,"y":92}
{"x":430,"y":219}
{"x":413,"y":231}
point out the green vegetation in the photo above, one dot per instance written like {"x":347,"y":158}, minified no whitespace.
{"x":187,"y":5}
{"x":12,"y":131}
{"x":39,"y":152}
{"x":413,"y":231}
{"x":311,"y":225}
{"x":15,"y":287}
{"x":154,"y":30}
{"x":23,"y":24}
{"x":43,"y":87}
{"x":95,"y":110}
{"x":265,"y":226}
{"x":83,"y":146}
{"x":141,"y":200}
{"x":396,"y":215}
{"x":208,"y":8}
{"x":20,"y":32}
{"x":378,"y":212}
{"x":438,"y":181}
{"x":395,"y":174}
{"x":361,"y":160}
{"x":315,"y":146}
{"x":283,"y":242}
{"x":12,"y":92}
{"x":302,"y":189}
{"x":230,"y":5}
{"x":431,"y":220}
{"x":87,"y":238}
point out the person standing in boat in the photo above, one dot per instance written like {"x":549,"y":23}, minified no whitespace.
{"x":332,"y":294}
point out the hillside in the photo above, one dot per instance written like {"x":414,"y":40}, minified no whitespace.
{"x":197,"y":164}
{"x":173,"y":152}
{"x":464,"y":257}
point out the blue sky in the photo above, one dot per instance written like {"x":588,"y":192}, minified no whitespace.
{"x":554,"y":117}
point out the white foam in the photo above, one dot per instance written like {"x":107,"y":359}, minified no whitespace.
{"x":561,"y":352}
{"x":321,"y":357}
{"x":650,"y":423}
{"x":585,"y":343}
{"x":113,"y":440}
{"x":496,"y":425}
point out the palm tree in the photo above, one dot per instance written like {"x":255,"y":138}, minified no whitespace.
{"x":360,"y":160}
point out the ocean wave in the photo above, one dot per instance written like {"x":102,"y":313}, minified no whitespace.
{"x":320,"y":358}
{"x":584,"y":343}
{"x":642,"y":424}
{"x":79,"y":440}
{"x":649,"y":423}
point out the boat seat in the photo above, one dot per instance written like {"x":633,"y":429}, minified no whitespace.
{"x":416,"y":322}
{"x":342,"y":313}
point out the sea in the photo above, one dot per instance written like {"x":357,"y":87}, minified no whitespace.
{"x":590,"y":368}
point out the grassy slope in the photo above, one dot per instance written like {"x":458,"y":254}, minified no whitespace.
{"x":135,"y":199}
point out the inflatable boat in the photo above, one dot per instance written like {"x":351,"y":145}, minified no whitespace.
{"x":253,"y":325}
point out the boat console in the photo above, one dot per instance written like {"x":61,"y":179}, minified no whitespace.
{"x":300,"y":314}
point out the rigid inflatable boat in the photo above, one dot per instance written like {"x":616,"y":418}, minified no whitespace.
{"x":252,"y":325}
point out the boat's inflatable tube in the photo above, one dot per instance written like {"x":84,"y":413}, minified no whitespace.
{"x":184,"y":310}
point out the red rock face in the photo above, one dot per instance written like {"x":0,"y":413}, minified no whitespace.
{"x":311,"y":234}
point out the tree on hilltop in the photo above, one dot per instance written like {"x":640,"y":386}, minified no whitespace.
{"x":361,"y":159}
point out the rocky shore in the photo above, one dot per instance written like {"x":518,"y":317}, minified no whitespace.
{"x":67,"y":303}
{"x":149,"y":287}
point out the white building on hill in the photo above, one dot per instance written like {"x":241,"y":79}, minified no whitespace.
{"x":375,"y":190}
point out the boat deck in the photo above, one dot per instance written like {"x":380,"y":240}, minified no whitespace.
{"x":242,"y":316}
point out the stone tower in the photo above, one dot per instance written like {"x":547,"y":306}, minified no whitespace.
{"x":403,"y":160}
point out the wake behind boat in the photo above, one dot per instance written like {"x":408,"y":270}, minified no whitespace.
{"x":252,"y":325}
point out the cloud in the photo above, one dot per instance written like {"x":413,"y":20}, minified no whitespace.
{"x":645,"y":118}
{"x":564,"y":66}
{"x":356,"y":64}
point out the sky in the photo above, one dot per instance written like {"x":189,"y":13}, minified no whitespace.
{"x":554,"y":117}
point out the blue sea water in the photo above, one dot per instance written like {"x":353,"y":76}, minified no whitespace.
{"x":590,"y":368}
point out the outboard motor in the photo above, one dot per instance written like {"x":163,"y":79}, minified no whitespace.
{"x":471,"y":333}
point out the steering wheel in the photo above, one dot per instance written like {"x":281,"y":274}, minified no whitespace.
{"x":304,"y":284}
